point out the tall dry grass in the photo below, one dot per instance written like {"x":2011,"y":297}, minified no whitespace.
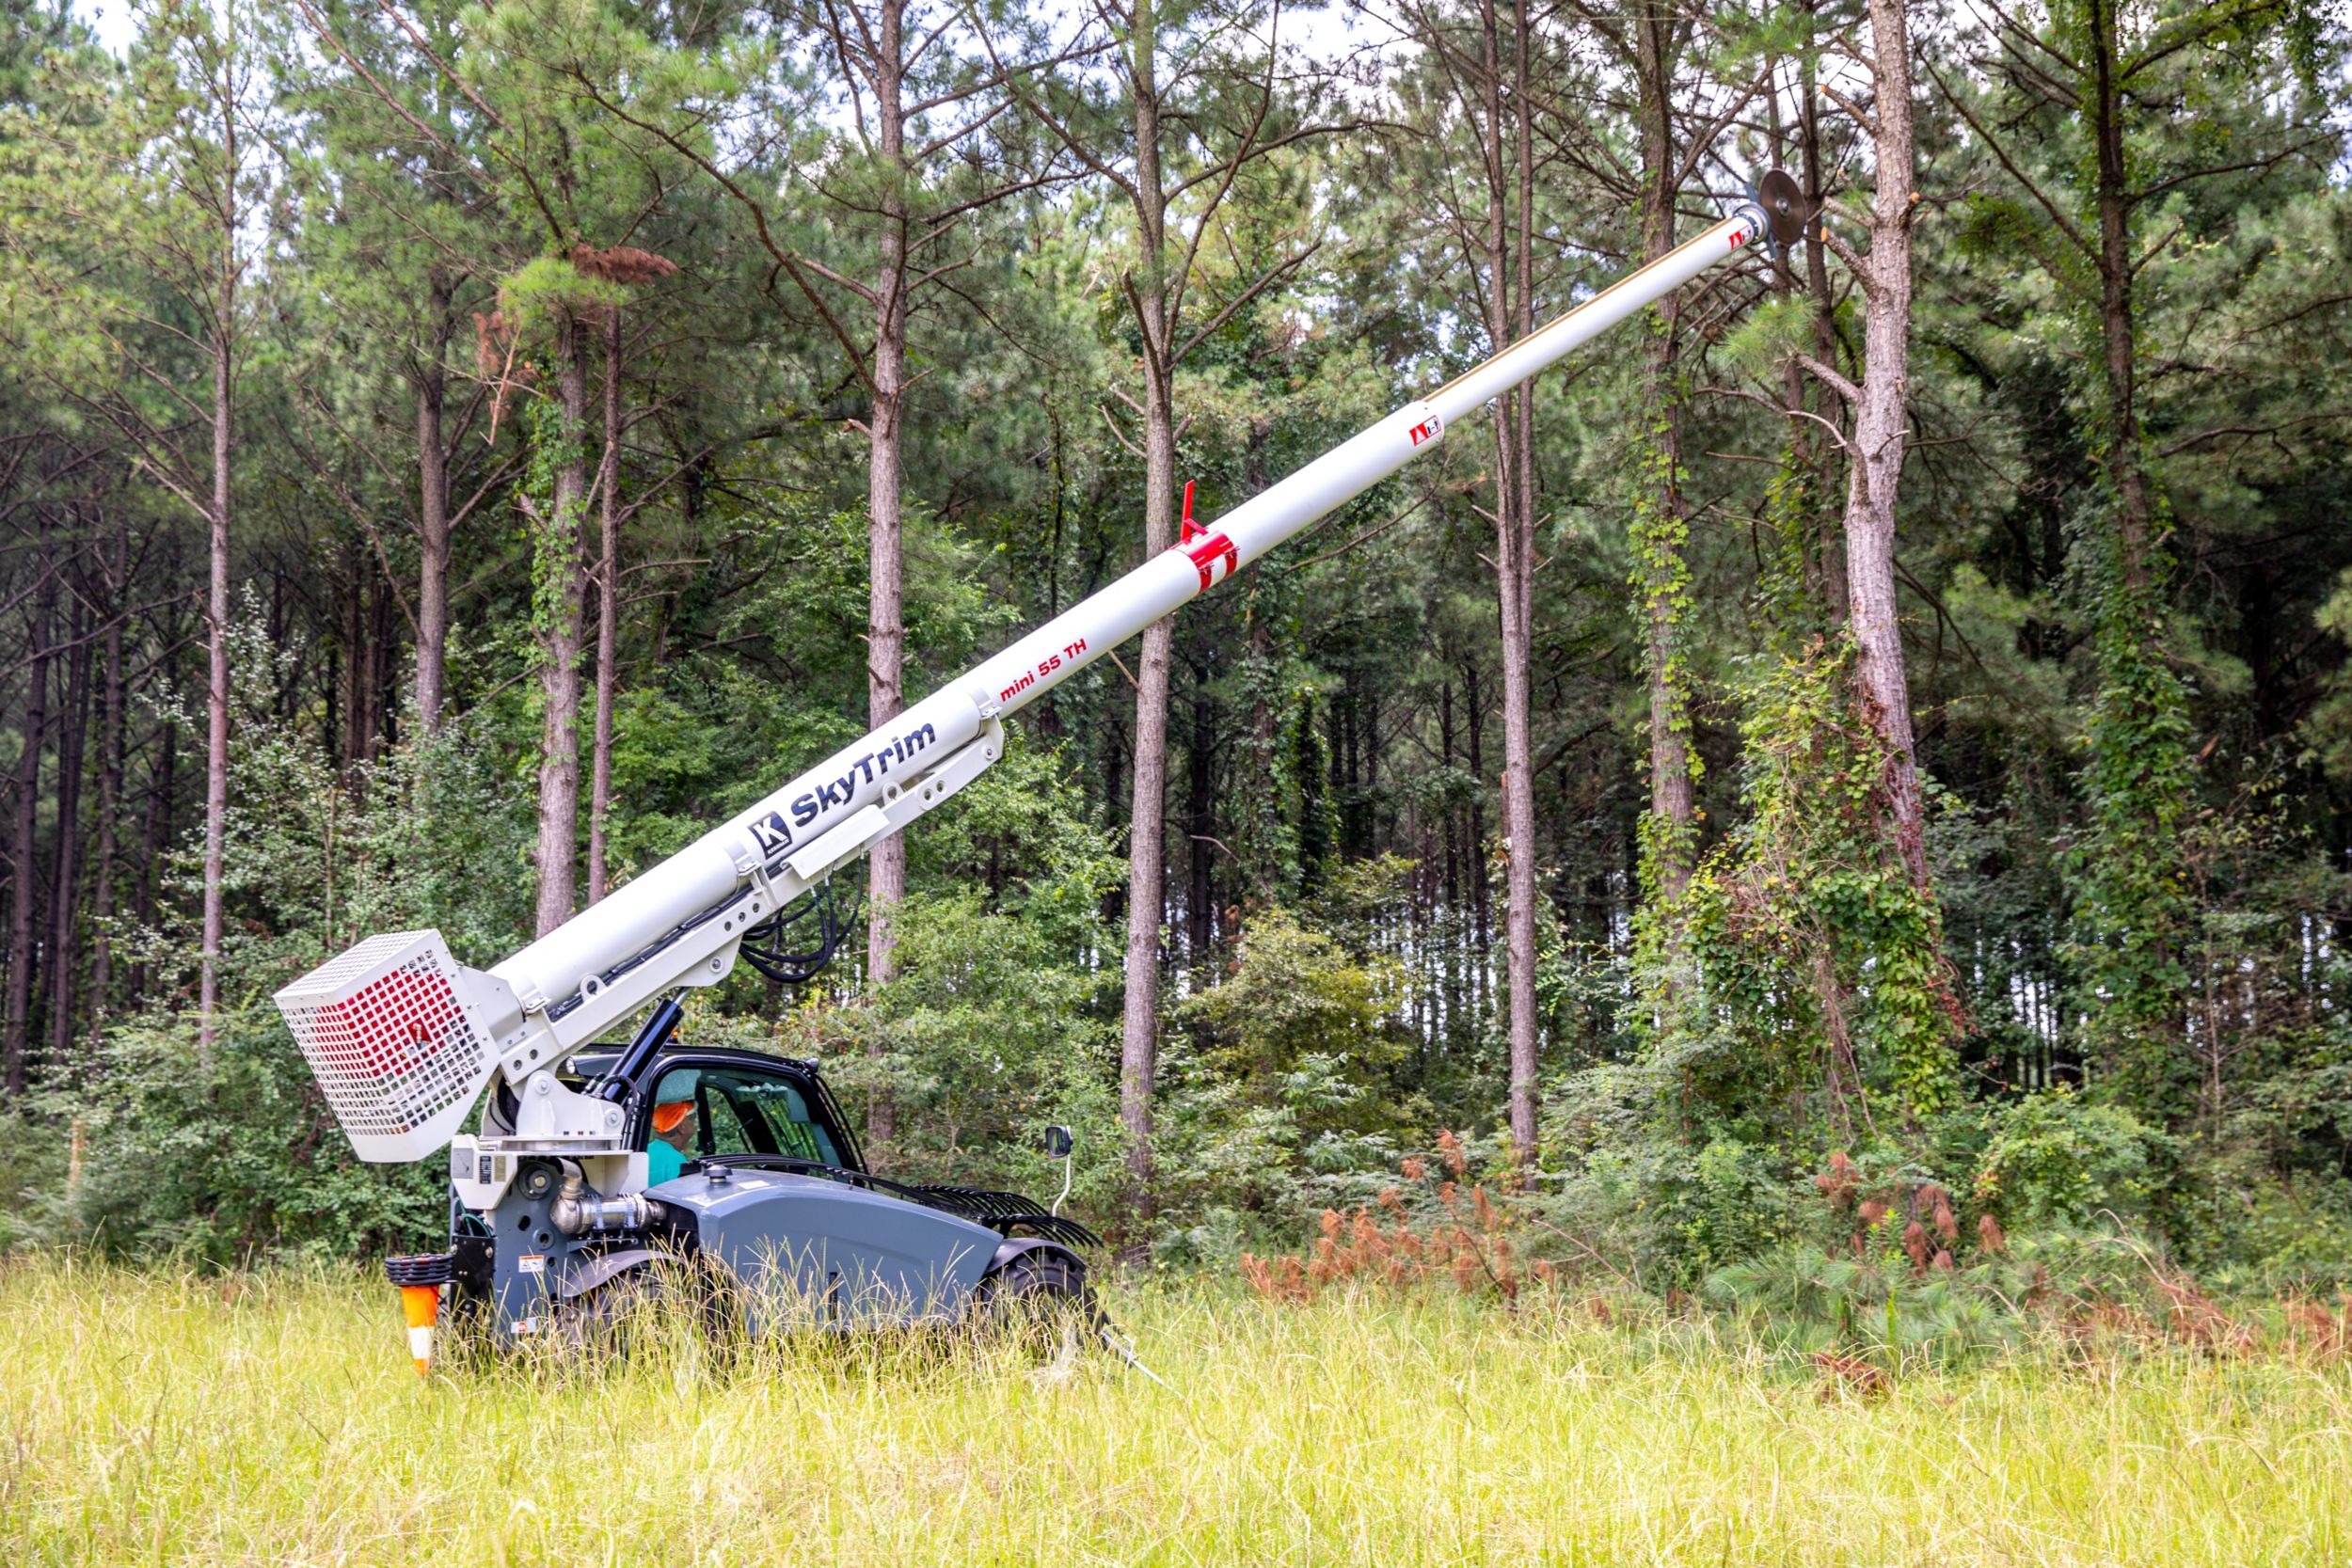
{"x":174,"y":1418}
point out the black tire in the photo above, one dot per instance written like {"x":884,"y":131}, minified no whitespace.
{"x":615,"y":1317}
{"x":637,"y":1309}
{"x":1039,"y":1297}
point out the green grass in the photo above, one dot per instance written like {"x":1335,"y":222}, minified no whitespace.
{"x":165,"y":1417}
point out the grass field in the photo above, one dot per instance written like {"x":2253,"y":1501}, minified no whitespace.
{"x":149,"y":1417}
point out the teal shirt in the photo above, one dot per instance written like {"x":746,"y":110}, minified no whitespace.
{"x":662,"y":1164}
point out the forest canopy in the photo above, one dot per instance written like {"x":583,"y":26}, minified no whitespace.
{"x":1883,"y":710}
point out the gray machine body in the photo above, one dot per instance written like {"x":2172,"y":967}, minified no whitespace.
{"x":797,"y":1249}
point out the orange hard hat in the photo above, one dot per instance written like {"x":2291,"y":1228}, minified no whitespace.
{"x":667,"y":1115}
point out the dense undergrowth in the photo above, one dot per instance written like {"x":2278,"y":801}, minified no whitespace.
{"x":272,"y":1417}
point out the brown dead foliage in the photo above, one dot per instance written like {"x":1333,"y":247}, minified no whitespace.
{"x":1838,"y":1183}
{"x":1842,"y":1374}
{"x":2318,"y":1331}
{"x":1932,"y":1228}
{"x":1468,"y":1242}
{"x":622,"y":263}
{"x":2196,"y":1320}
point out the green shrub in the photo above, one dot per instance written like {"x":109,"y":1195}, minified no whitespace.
{"x":2057,"y":1158}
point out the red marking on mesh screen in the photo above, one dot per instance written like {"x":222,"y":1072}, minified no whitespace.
{"x":389,"y":1026}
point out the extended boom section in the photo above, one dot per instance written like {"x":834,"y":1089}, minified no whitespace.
{"x":403,"y":1038}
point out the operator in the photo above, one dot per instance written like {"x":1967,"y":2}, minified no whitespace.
{"x":673,"y":1144}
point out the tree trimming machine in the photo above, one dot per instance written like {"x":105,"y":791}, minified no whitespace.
{"x":593,"y":1162}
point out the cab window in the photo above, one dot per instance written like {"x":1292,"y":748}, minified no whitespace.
{"x":744,"y":1111}
{"x":783,"y":1111}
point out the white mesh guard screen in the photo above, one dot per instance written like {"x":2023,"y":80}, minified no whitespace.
{"x":385,"y":1029}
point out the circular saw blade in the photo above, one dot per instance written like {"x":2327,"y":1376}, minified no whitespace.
{"x":1784,"y":205}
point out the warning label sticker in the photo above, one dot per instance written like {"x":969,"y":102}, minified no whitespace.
{"x":532,"y":1262}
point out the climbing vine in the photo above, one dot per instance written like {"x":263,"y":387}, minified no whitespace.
{"x":551,"y":521}
{"x":2130,"y":890}
{"x":1820,"y":967}
{"x":1661,"y":579}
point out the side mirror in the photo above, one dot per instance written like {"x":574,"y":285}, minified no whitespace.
{"x":1059,"y":1142}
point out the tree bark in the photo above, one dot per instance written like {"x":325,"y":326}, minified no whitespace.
{"x":433,"y":541}
{"x":1509,"y":314}
{"x":885,"y":627}
{"x":563,"y":583}
{"x":355,"y":660}
{"x":1879,"y":436}
{"x":1147,"y":816}
{"x":216,"y":651}
{"x":2118,"y":322}
{"x":1200,"y":831}
{"x":155,"y":834}
{"x":1831,"y":567}
{"x":1138,"y":1059}
{"x":64,"y":878}
{"x":24,"y":875}
{"x":1481,"y":897}
{"x":608,"y":613}
{"x":1673,"y":846}
{"x":110,"y":769}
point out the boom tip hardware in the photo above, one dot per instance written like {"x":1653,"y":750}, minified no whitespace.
{"x":1783,"y":202}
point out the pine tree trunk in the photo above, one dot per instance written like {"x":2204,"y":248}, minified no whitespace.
{"x":1482,"y":898}
{"x":608,"y":613}
{"x":1664,"y":575}
{"x":65,"y":876}
{"x":1138,"y":1059}
{"x":433,"y":543}
{"x":1519,"y":792}
{"x":156,"y":826}
{"x":355,"y":660}
{"x":23,"y":873}
{"x":885,"y":627}
{"x":1879,"y":436}
{"x":1199,"y":830}
{"x":2118,"y":321}
{"x":216,"y":679}
{"x":560,"y":559}
{"x":1508,"y":309}
{"x":1831,"y":567}
{"x":110,"y":770}
{"x":1147,"y":816}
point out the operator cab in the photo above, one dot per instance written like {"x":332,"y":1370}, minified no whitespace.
{"x":741,"y":1103}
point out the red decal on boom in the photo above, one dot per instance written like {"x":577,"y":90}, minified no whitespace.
{"x":1215,"y":557}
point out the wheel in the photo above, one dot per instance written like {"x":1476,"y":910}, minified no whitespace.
{"x":615,"y":1318}
{"x":644,"y":1308}
{"x":1040,"y":1297}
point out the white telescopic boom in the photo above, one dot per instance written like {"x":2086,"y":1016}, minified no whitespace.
{"x":680,"y":922}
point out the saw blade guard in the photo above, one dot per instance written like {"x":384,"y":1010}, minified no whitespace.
{"x":402,"y":1039}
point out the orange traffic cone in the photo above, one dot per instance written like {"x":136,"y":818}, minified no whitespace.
{"x":421,"y":1306}
{"x":420,"y":1276}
